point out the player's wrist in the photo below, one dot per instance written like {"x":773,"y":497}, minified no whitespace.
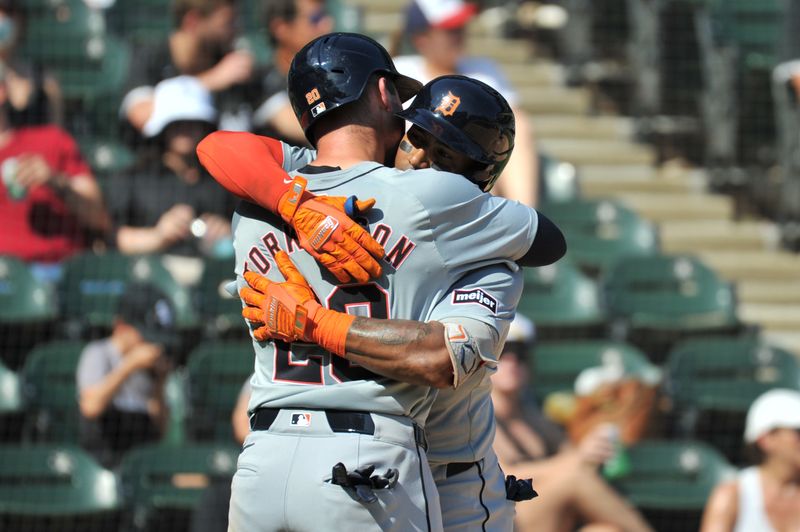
{"x":292,"y":198}
{"x":329,"y":328}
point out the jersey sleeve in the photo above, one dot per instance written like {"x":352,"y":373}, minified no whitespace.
{"x":488,"y":297}
{"x":471,"y":228}
{"x":476,"y":313}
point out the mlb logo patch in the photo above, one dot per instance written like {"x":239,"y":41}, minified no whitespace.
{"x":301,"y":419}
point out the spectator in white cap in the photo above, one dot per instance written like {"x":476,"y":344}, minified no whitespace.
{"x":764,"y":497}
{"x":436,"y":29}
{"x":528,"y":444}
{"x":168,"y":203}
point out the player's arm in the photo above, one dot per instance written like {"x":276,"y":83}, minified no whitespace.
{"x":435,"y":353}
{"x":548,"y":246}
{"x":252,"y":168}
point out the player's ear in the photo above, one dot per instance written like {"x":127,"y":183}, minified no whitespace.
{"x":387,"y":94}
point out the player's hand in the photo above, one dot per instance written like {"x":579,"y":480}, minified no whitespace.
{"x":290,"y":311}
{"x":326,"y":231}
{"x":282,"y":308}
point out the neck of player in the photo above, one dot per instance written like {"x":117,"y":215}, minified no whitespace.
{"x":350,"y":145}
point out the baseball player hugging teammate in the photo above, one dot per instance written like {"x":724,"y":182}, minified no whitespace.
{"x":370,"y":405}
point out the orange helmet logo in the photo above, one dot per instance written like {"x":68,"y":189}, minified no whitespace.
{"x":449,"y":104}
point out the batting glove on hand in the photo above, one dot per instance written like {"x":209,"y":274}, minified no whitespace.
{"x":326,"y":231}
{"x":290,"y":312}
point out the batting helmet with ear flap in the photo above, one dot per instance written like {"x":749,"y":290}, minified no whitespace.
{"x":333,"y":70}
{"x":471,"y":118}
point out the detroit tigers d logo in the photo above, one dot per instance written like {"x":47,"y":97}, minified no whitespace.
{"x":449,"y":104}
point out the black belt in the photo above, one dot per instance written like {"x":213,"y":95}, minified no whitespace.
{"x":339,"y":421}
{"x":454,"y":468}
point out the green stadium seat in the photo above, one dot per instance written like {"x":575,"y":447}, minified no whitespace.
{"x":10,"y":391}
{"x":56,"y":482}
{"x":91,"y":286}
{"x":175,"y":397}
{"x":670,"y":481}
{"x":217,"y":371}
{"x":558,"y":180}
{"x":161,"y":481}
{"x":602,"y":232}
{"x":22,"y":298}
{"x":713,"y":380}
{"x":222,"y":312}
{"x":106,"y":156}
{"x":556,"y":365}
{"x":559,"y":298}
{"x":141,"y":21}
{"x":63,"y":20}
{"x":51,"y":393}
{"x":675,"y":293}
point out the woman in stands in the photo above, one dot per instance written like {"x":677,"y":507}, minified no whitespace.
{"x":34,"y":97}
{"x":571,"y":490}
{"x":764,"y":497}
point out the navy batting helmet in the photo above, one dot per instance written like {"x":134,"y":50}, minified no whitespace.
{"x":471,"y":118}
{"x":333,"y":70}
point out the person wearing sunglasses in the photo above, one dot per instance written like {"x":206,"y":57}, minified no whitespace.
{"x":764,"y":497}
{"x":290,"y":24}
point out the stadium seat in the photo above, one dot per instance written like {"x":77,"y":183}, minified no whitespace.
{"x":713,"y":380}
{"x":106,"y":156}
{"x":670,"y":481}
{"x":11,"y":405}
{"x":28,"y":309}
{"x":63,"y":20}
{"x":662,"y":298}
{"x":51,"y":393}
{"x":59,"y":486}
{"x":602,"y":232}
{"x":558,"y":180}
{"x":142,"y":21}
{"x":555,"y":365}
{"x":164,"y":483}
{"x":92,"y":284}
{"x":216,"y":372}
{"x":22,"y":298}
{"x":561,"y":300}
{"x":222,"y":313}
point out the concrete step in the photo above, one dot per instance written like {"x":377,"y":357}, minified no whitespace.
{"x":509,"y":50}
{"x":754,"y":265}
{"x":678,"y":236}
{"x":378,"y":24}
{"x":533,"y":74}
{"x":598,"y":151}
{"x":624,"y":184}
{"x":581,"y":127}
{"x":554,"y":100}
{"x":663,"y":206}
{"x":384,"y":6}
{"x":771,"y":317}
{"x":769,"y":291}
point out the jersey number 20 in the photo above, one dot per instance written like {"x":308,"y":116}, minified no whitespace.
{"x":366,"y":300}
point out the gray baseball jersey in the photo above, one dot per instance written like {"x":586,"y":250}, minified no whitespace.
{"x":461,"y":424}
{"x":435,"y":227}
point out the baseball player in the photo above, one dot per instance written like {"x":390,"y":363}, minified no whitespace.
{"x":461,"y":423}
{"x":330,"y":329}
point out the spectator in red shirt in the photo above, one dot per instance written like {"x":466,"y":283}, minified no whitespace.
{"x":50,"y":204}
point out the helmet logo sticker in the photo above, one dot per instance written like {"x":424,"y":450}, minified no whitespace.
{"x":449,"y":104}
{"x":317,"y":109}
{"x":312,"y":96}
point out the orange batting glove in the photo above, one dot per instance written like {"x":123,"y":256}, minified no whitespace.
{"x":290,"y":312}
{"x":326,"y":231}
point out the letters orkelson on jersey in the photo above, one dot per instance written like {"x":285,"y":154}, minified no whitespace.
{"x":475,"y":295}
